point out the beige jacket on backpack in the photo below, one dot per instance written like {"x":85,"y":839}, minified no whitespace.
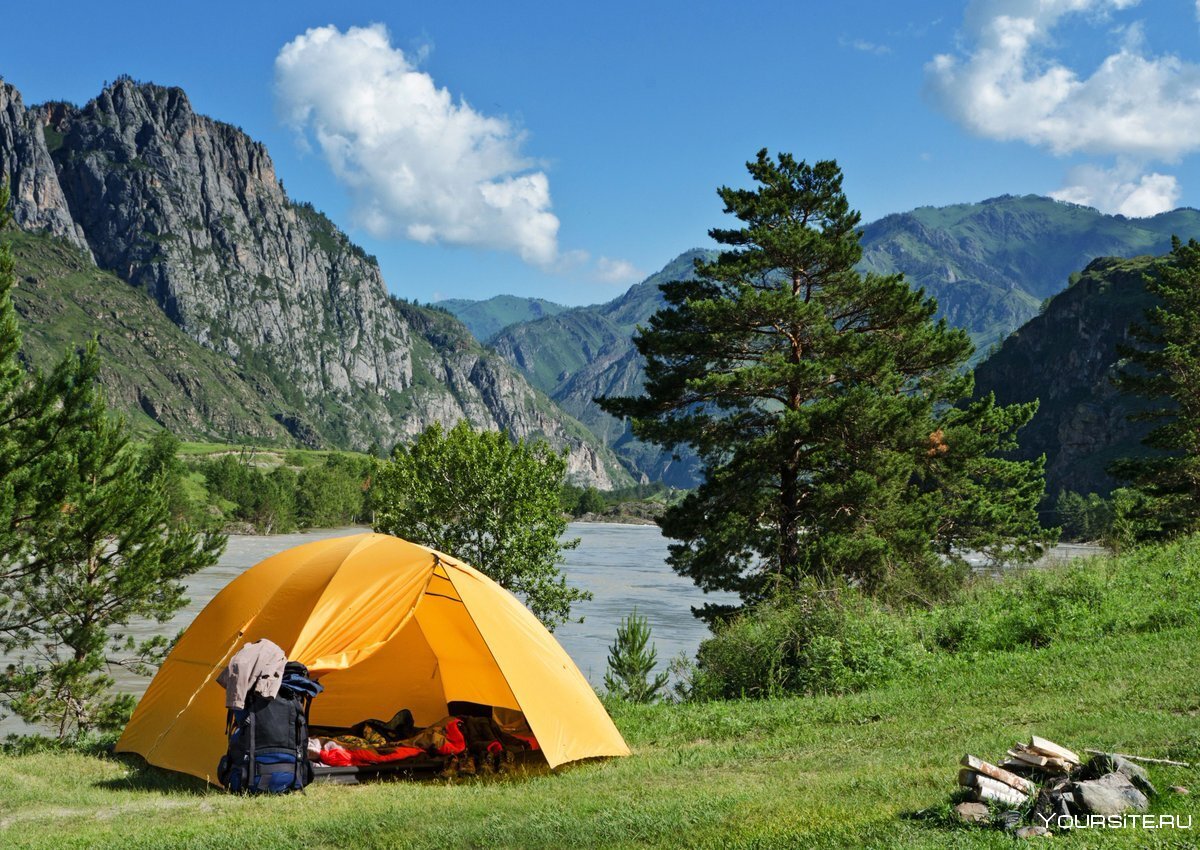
{"x":256,"y":666}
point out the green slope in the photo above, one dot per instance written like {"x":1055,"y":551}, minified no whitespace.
{"x":584,"y":352}
{"x":151,"y":371}
{"x":487,"y":318}
{"x":991,"y":264}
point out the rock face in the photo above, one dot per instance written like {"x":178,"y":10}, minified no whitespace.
{"x":1066,"y":358}
{"x":38,"y":202}
{"x":190,"y":210}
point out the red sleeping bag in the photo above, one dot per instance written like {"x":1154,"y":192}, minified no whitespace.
{"x":338,"y":756}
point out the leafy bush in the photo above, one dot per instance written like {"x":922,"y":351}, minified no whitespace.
{"x":1146,"y":590}
{"x":831,"y":640}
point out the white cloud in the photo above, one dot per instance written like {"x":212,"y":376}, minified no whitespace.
{"x":865,"y":46}
{"x":1007,"y":86}
{"x":1121,"y":190}
{"x":418,"y":163}
{"x":616,"y":271}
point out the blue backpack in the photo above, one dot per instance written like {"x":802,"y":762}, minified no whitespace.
{"x":268,"y":739}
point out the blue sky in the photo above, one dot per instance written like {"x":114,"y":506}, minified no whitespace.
{"x":565,"y":151}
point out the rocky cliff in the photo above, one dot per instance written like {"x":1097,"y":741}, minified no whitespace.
{"x":1065,"y":358}
{"x":25,"y":141}
{"x":190,"y":210}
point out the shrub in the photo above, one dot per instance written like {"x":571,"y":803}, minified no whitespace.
{"x":822,"y":640}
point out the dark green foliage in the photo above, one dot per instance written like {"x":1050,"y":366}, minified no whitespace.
{"x":820,"y":401}
{"x":830,"y":640}
{"x":486,"y":499}
{"x":1165,"y":368}
{"x":1083,"y":518}
{"x":333,"y":493}
{"x":631,"y":660}
{"x":590,"y":502}
{"x":162,"y":467}
{"x":265,"y":500}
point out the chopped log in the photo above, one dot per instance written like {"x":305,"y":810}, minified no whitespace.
{"x":1146,"y":759}
{"x":1043,"y":763}
{"x":999,"y":774}
{"x":1013,"y":765}
{"x":987,"y":788}
{"x":1049,"y":748}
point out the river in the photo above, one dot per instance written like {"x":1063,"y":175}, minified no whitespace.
{"x":622,"y":565}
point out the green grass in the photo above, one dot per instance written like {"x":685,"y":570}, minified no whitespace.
{"x":873,"y":769}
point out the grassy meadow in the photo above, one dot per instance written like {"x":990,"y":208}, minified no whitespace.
{"x":870,"y":769}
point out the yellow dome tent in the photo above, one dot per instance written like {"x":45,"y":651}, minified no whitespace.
{"x":384,"y":624}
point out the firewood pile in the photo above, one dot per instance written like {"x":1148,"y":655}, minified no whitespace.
{"x":1041,"y":786}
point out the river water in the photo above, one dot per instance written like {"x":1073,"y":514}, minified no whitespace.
{"x":622,"y":565}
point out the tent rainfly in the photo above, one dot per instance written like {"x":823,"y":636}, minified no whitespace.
{"x":385,"y":624}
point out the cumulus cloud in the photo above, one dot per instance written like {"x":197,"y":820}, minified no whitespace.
{"x":419,"y":163}
{"x":616,"y":271}
{"x":1006,"y":85}
{"x":1121,"y":189}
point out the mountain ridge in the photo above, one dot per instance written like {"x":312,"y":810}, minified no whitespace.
{"x":991,"y":265}
{"x":189,"y":210}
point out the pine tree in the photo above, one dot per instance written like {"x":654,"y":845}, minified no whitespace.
{"x":631,"y":660}
{"x":112,"y":553}
{"x":1165,"y":368}
{"x":822,"y":403}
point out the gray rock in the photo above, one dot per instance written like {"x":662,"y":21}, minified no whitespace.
{"x":973,"y":813}
{"x":1033,"y":831}
{"x":1111,"y":794}
{"x":37,"y":199}
{"x":1112,"y":763}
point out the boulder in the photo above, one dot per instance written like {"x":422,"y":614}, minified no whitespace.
{"x":973,"y":813}
{"x":1033,"y":831}
{"x":1112,"y":763}
{"x":1111,"y":794}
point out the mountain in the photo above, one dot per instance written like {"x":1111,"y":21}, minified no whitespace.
{"x":189,"y":210}
{"x":990,"y":265}
{"x":487,"y":318}
{"x":584,"y":352}
{"x":1066,"y":357}
{"x":150,"y":369}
